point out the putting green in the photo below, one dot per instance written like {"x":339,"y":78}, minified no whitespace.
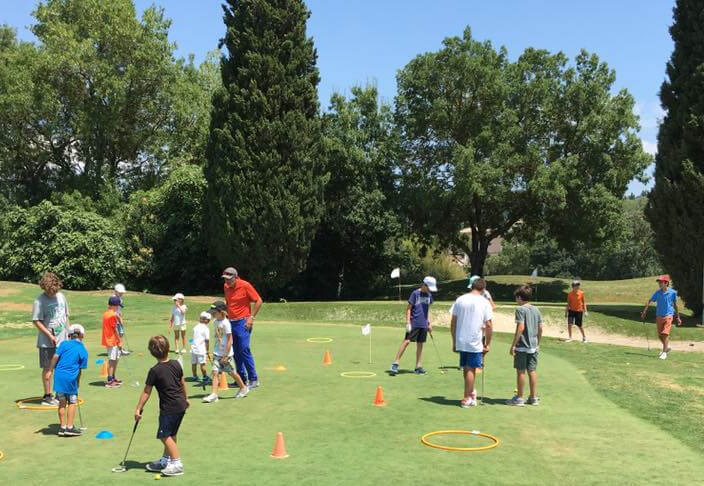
{"x":575,"y":436}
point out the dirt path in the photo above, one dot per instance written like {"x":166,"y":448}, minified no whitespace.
{"x":503,"y":322}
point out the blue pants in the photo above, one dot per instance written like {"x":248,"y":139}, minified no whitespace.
{"x":244,"y":361}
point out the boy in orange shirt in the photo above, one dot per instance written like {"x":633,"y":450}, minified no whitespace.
{"x":111,"y":340}
{"x":576,"y":308}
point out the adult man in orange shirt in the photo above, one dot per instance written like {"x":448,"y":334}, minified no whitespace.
{"x":239,"y":296}
{"x":111,"y":341}
{"x":576,"y":308}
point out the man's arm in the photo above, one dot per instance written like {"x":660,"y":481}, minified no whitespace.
{"x":142,"y":401}
{"x":488,"y":331}
{"x":520,"y":326}
{"x":645,"y":310}
{"x":185,"y":392}
{"x":677,"y":312}
{"x":228,"y":346}
{"x":43,"y":329}
{"x":257,"y":305}
{"x":540,"y":332}
{"x":453,"y":329}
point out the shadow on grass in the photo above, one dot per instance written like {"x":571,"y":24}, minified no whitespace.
{"x":97,"y":383}
{"x":399,"y":372}
{"x":136,"y":465}
{"x":456,"y":403}
{"x":51,"y":429}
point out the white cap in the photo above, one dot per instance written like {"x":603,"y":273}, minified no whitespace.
{"x":120,"y":288}
{"x":179,"y":295}
{"x":205,"y":315}
{"x":76,"y":328}
{"x":431,"y":283}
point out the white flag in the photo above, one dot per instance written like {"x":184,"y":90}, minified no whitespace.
{"x":535,"y":273}
{"x":366,"y":330}
{"x":396,"y":273}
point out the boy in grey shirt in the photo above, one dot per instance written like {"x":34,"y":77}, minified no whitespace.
{"x":524,"y":349}
{"x":50,"y":317}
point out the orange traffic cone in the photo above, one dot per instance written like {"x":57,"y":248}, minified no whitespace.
{"x":279,"y":451}
{"x":104,"y":370}
{"x":222,"y":381}
{"x":327,"y":359}
{"x":379,"y":400}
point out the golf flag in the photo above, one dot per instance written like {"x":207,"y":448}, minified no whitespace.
{"x":366,"y":330}
{"x":396,"y":273}
{"x":535,"y":273}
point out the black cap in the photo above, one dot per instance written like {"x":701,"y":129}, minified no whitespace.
{"x":219,"y":305}
{"x":114,"y":300}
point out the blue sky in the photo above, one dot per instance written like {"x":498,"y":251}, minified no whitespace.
{"x":362,"y":41}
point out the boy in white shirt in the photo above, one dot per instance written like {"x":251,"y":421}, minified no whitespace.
{"x":223,"y":353}
{"x":200,"y":347}
{"x":177,"y":322}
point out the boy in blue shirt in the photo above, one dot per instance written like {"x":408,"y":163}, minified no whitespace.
{"x":417,"y":323}
{"x":71,"y":357}
{"x":665,"y":300}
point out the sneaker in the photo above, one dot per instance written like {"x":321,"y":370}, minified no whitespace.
{"x":533,"y":401}
{"x":254,"y":384}
{"x":72,"y":432}
{"x":62,"y":432}
{"x":584,"y":340}
{"x":212,"y":398}
{"x":113,"y":384}
{"x":125,"y":352}
{"x":473,"y":394}
{"x":191,"y":378}
{"x":394,"y":369}
{"x":468,"y":403}
{"x":117,"y":382}
{"x":173,"y":469}
{"x":516,"y":401}
{"x":158,"y":465}
{"x":419,"y":371}
{"x":242,"y":393}
{"x":663,"y":355}
{"x":568,"y":340}
{"x":49,"y":401}
{"x":207,"y":379}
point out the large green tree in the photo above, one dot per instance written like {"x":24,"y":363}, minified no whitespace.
{"x":264,"y":165}
{"x":489,"y":143}
{"x":676,"y":203}
{"x":98,"y":100}
{"x":350,"y":251}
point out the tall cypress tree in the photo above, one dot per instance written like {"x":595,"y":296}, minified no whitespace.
{"x":265,"y":176}
{"x":676,"y":204}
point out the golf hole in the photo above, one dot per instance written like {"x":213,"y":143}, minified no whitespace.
{"x":35,"y":404}
{"x":494,"y":440}
{"x":357,"y":374}
{"x":11,"y":367}
{"x":319,"y":340}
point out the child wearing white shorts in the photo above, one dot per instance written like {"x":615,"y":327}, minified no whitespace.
{"x":200,"y":349}
{"x":177,"y":322}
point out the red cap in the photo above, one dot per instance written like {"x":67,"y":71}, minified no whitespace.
{"x":663,"y":278}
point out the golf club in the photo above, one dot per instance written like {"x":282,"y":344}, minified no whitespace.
{"x":121,"y":467}
{"x":442,"y":367}
{"x":80,"y":415}
{"x":129,"y":371}
{"x":483,"y":374}
{"x":647,"y":338}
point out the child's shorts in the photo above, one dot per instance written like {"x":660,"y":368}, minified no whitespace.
{"x":197,"y":358}
{"x":417,"y":335}
{"x":664,"y":325}
{"x":219,"y":367}
{"x":470,"y":360}
{"x":169,"y":425}
{"x":65,"y":397}
{"x":575,"y":317}
{"x":525,"y":361}
{"x":114,"y":353}
{"x":45,"y":356}
{"x":180,"y":327}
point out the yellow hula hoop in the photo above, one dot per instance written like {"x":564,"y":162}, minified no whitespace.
{"x":495,"y":440}
{"x":358,"y":374}
{"x":318,"y":340}
{"x":1,"y":455}
{"x":20,"y":404}
{"x":11,"y":367}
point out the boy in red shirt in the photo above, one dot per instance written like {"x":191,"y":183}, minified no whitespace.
{"x":111,"y":340}
{"x":239,"y":296}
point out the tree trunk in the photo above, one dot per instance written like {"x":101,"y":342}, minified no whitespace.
{"x":477,"y":255}
{"x":340,"y":280}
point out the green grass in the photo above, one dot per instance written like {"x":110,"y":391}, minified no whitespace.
{"x":608,"y":413}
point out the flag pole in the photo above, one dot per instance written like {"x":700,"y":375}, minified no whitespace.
{"x":370,"y":345}
{"x":399,"y":286}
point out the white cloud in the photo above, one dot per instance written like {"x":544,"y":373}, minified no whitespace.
{"x":650,"y":147}
{"x":650,"y":113}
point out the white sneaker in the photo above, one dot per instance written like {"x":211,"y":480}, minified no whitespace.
{"x":50,"y":402}
{"x":173,"y":469}
{"x":468,"y":403}
{"x":242,"y":392}
{"x":212,"y":398}
{"x":254,"y":384}
{"x":663,"y":355}
{"x":584,"y":340}
{"x":473,"y":395}
{"x":568,"y":340}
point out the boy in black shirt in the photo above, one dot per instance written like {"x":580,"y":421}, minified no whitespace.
{"x":167,"y":377}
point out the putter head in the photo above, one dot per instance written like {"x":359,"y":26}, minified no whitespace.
{"x":119,"y":469}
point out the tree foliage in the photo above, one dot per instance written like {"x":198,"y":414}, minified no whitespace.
{"x":490,"y":143}
{"x":264,"y":163}
{"x":676,"y":201}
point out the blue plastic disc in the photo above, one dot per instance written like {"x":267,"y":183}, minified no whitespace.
{"x":104,"y":435}
{"x":99,"y":361}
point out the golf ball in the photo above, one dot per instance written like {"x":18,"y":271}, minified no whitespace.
{"x":157,"y":476}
